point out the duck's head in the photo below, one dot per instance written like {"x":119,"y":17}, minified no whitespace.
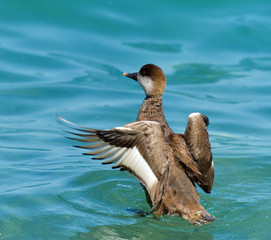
{"x":151,"y":78}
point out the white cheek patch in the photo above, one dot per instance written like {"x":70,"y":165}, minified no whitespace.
{"x":146,"y":83}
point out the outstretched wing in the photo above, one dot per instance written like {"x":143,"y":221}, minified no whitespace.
{"x":137,"y":147}
{"x":197,"y":140}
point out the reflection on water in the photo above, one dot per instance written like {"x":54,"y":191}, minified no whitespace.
{"x":153,"y":228}
{"x":250,"y":64}
{"x":156,"y":47}
{"x":201,"y":73}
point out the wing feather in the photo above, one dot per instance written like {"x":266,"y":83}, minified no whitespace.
{"x":197,"y":139}
{"x":101,"y":150}
{"x":93,"y":146}
{"x":107,"y":154}
{"x":138,"y":147}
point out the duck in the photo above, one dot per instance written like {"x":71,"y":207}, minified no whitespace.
{"x":168,"y":165}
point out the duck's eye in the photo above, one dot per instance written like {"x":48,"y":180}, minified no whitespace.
{"x":143,"y":73}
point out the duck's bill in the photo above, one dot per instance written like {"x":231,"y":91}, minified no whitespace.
{"x":131,"y":75}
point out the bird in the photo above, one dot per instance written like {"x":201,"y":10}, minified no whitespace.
{"x":168,"y":165}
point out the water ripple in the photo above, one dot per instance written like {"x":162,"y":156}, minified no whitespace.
{"x":64,"y":58}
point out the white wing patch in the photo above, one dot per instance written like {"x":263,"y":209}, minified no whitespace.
{"x":152,"y":122}
{"x":133,"y":160}
{"x":122,"y":128}
{"x":128,"y":158}
{"x":138,"y":164}
{"x":194,"y":115}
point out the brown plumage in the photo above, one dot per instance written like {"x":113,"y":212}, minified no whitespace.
{"x":167,"y":164}
{"x":191,"y":150}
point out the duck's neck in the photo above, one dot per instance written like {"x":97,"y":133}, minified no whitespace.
{"x":152,"y":110}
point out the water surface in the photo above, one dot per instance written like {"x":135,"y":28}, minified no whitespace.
{"x":66,"y":58}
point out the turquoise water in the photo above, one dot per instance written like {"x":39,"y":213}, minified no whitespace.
{"x":67,"y":57}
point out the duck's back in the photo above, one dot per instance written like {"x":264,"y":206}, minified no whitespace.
{"x":152,"y":110}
